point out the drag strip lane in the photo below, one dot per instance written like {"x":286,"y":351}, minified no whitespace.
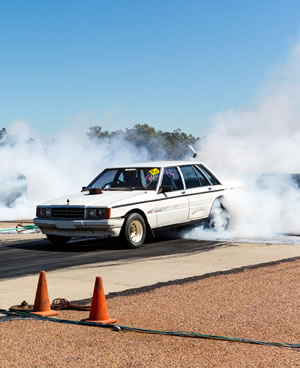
{"x":30,"y":257}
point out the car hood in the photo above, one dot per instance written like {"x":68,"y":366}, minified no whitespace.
{"x":105,"y":199}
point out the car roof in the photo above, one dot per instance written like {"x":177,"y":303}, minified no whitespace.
{"x":152,"y":164}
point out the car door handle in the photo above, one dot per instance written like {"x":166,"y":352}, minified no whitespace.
{"x":183,"y":192}
{"x":209,"y":188}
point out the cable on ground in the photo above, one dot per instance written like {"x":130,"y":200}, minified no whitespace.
{"x":141,"y":330}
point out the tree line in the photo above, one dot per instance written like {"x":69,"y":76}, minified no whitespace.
{"x":158,"y":143}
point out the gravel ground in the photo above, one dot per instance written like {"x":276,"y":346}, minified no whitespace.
{"x":261,"y":304}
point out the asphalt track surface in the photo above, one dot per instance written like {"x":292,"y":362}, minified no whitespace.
{"x":29,"y":257}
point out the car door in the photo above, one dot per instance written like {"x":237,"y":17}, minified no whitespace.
{"x":172,"y":207}
{"x":199,"y":191}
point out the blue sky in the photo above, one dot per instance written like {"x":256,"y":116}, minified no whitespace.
{"x":169,"y":63}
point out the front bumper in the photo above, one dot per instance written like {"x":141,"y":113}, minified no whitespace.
{"x":82,"y":228}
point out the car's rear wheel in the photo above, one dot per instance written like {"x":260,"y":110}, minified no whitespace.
{"x":134,"y":230}
{"x":58,"y":240}
{"x":219,"y":218}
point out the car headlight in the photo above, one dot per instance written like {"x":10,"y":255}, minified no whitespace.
{"x":41,"y":212}
{"x":44,"y":212}
{"x":98,"y":213}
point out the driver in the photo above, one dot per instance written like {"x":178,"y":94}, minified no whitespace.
{"x":131,"y":178}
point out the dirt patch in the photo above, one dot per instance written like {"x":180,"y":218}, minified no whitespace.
{"x":260,"y":304}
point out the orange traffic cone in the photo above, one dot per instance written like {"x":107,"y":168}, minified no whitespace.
{"x":42,"y":303}
{"x":98,"y":312}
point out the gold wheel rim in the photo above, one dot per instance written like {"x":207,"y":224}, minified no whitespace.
{"x":135,"y":231}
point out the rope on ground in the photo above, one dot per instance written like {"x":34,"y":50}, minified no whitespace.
{"x":140,"y":330}
{"x":57,"y":304}
{"x":61,"y":303}
{"x":21,"y":229}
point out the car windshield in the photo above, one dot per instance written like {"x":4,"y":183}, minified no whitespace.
{"x":126,"y":179}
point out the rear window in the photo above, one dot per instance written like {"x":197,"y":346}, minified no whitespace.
{"x":190,"y":177}
{"x":203,"y":180}
{"x":213,"y":180}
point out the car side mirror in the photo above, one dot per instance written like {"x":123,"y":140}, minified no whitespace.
{"x":165,"y":189}
{"x":83,"y":189}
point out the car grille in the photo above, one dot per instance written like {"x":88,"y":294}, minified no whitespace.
{"x":68,"y":212}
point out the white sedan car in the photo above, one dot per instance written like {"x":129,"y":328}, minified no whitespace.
{"x":135,"y":201}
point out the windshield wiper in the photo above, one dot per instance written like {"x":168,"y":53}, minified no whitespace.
{"x":119,"y":188}
{"x":127,"y":188}
{"x":137,"y":188}
{"x":122,"y":188}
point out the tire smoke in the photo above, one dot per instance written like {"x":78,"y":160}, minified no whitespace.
{"x":34,"y":169}
{"x":260,"y":147}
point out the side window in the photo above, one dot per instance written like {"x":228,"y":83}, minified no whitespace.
{"x":150,"y":178}
{"x":203,"y":180}
{"x":209,"y":175}
{"x":172,"y":177}
{"x":190,"y":177}
{"x":120,"y":177}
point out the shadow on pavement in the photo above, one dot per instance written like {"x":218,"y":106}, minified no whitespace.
{"x":29,"y":257}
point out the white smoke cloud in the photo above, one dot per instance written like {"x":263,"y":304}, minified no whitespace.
{"x":34,"y":170}
{"x":243,"y":144}
{"x":266,"y":136}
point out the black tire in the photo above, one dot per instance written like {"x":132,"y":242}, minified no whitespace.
{"x":58,"y":240}
{"x":219,"y":217}
{"x":134,"y":230}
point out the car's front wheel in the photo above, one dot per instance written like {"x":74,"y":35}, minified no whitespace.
{"x":58,"y":240}
{"x":219,"y":217}
{"x":134,"y":230}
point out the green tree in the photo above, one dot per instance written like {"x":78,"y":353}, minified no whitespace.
{"x":159,"y":144}
{"x":97,"y":132}
{"x":3,"y":135}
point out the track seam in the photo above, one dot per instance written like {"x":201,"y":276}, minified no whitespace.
{"x":158,"y":285}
